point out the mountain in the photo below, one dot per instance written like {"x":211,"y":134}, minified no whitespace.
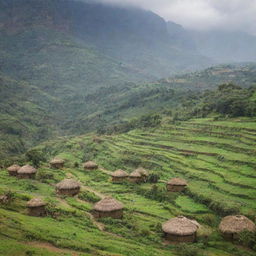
{"x":132,"y":36}
{"x":225,"y":46}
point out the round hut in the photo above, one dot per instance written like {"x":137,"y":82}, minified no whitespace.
{"x":27,"y":172}
{"x":176,"y":185}
{"x":180,"y":229}
{"x":119,"y":176}
{"x":36,"y":207}
{"x":136,"y":177}
{"x":13,"y":170}
{"x":143,"y":172}
{"x":90,"y":165}
{"x":57,"y":163}
{"x":108,"y":207}
{"x":68,"y":187}
{"x":231,"y":226}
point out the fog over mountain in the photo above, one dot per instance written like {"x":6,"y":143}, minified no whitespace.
{"x":202,"y":14}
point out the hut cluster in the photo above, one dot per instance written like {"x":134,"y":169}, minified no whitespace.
{"x":178,"y":229}
{"x":24,"y":172}
{"x":137,"y":176}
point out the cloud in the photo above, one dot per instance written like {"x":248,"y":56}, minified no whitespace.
{"x":202,"y":14}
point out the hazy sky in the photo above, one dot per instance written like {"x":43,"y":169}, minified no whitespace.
{"x":202,"y":14}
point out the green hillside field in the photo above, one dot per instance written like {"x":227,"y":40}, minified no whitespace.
{"x":217,"y":158}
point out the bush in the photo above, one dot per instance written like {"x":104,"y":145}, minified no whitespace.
{"x":248,"y":239}
{"x":89,"y":196}
{"x":187,"y":250}
{"x":35,"y":156}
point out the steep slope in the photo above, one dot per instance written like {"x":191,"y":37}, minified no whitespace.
{"x":132,"y":36}
{"x":217,"y":158}
{"x":225,"y":46}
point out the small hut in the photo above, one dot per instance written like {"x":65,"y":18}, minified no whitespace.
{"x":68,"y":187}
{"x":231,"y":226}
{"x":108,"y":207}
{"x":180,"y":229}
{"x":119,"y":176}
{"x":176,"y":185}
{"x":13,"y":170}
{"x":90,"y":165}
{"x":36,"y":207}
{"x":144,"y":173}
{"x":27,"y":172}
{"x":57,"y":163}
{"x":136,"y":177}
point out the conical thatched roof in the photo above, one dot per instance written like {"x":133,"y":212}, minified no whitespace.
{"x":35,"y":202}
{"x":180,"y":226}
{"x":13,"y":168}
{"x":142,"y":171}
{"x":236,"y":224}
{"x":68,"y":184}
{"x":108,"y":204}
{"x":120,"y":174}
{"x":57,"y":160}
{"x":177,"y":182}
{"x":135,"y":174}
{"x":90,"y":164}
{"x":27,"y":169}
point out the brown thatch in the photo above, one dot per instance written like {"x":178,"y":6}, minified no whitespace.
{"x":13,"y":169}
{"x":27,"y":171}
{"x":108,"y":207}
{"x":135,"y":174}
{"x":68,"y":184}
{"x":136,"y":177}
{"x":177,"y":182}
{"x":68,"y":187}
{"x":108,"y":204}
{"x":142,"y":171}
{"x":57,"y":162}
{"x":120,"y":174}
{"x":236,"y":224}
{"x":180,"y":226}
{"x":176,"y":185}
{"x":36,"y":207}
{"x":90,"y":165}
{"x":35,"y":202}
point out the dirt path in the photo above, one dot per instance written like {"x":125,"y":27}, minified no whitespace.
{"x":52,"y":248}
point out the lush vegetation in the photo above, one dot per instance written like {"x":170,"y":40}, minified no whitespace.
{"x":217,"y":158}
{"x":54,"y":81}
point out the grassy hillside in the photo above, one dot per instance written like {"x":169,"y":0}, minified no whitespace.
{"x":217,"y":158}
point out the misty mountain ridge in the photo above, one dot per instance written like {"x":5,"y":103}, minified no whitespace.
{"x":130,"y":35}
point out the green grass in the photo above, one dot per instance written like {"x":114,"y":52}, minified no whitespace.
{"x":217,"y":186}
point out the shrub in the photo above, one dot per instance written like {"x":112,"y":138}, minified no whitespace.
{"x":35,"y":156}
{"x":248,"y":239}
{"x":187,"y":250}
{"x":89,"y":196}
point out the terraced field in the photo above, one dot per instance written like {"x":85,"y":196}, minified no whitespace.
{"x":217,"y":158}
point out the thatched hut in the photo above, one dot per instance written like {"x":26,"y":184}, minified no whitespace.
{"x":176,"y":185}
{"x":27,"y":172}
{"x":90,"y":165}
{"x":108,"y":207}
{"x":136,"y":177}
{"x":57,"y":163}
{"x":36,"y":207}
{"x":119,"y":176}
{"x":180,"y":229}
{"x":231,"y":226}
{"x":68,"y":187}
{"x":143,"y":172}
{"x":13,"y":170}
